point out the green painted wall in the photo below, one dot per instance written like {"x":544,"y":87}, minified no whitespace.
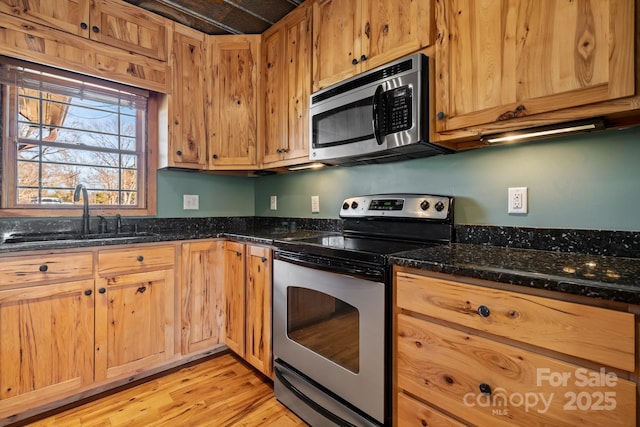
{"x":219,"y":195}
{"x":583,"y":182}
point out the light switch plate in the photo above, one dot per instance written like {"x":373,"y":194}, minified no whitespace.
{"x":191,"y":202}
{"x":274,"y":203}
{"x":315,"y":204}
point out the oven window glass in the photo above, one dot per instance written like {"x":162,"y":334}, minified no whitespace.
{"x":325,"y":325}
{"x":343,"y":125}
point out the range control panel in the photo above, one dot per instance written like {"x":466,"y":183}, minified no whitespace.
{"x":398,"y":205}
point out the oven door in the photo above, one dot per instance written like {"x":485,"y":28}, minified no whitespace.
{"x":330,"y":327}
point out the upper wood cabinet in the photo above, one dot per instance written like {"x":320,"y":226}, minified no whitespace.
{"x":233,"y":101}
{"x":112,"y":22}
{"x":351,"y":36}
{"x":500,"y":63}
{"x":186,"y":146}
{"x":286,"y":86}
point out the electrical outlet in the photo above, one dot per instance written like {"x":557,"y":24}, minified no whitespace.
{"x":315,"y":204}
{"x":274,"y":203}
{"x":190,"y":202}
{"x":517,"y":200}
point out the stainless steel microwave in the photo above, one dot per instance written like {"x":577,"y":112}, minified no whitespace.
{"x":378,"y":116}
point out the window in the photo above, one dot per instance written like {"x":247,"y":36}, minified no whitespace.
{"x":61,"y":130}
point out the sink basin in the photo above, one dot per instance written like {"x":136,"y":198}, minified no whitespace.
{"x":36,"y":237}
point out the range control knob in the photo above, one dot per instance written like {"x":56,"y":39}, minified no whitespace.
{"x":439,"y":206}
{"x":354,"y":204}
{"x":424,"y":205}
{"x":345,"y":206}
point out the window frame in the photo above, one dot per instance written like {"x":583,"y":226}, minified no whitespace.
{"x":147,"y":169}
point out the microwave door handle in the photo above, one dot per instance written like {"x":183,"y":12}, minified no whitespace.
{"x":377,"y":99}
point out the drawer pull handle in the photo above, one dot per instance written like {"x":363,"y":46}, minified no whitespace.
{"x":44,"y":267}
{"x":485,"y":389}
{"x":141,"y":289}
{"x":484,"y":311}
{"x":102,"y":290}
{"x":140,"y":258}
{"x":88,"y":292}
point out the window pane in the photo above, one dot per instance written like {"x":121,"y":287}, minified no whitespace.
{"x":70,"y":132}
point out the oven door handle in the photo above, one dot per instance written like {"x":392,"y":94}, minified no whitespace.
{"x":349,"y":270}
{"x":313,"y":405}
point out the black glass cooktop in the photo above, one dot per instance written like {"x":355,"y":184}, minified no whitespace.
{"x":365,"y":249}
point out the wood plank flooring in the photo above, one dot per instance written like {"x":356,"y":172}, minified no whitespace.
{"x":222,"y":391}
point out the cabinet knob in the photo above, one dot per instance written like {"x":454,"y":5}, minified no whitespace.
{"x":88,"y":292}
{"x":179,"y":153}
{"x":43,"y":268}
{"x":485,"y":389}
{"x":484,"y":311}
{"x":140,"y":258}
{"x":440,"y":115}
{"x":263,"y":259}
{"x":238,"y":253}
{"x":102,"y":290}
{"x":363,"y":58}
{"x":354,"y":61}
{"x":95,"y":29}
{"x":141,"y":289}
{"x":215,"y":157}
{"x":84,"y":25}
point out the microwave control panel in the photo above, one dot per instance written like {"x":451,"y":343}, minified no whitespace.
{"x":396,"y":110}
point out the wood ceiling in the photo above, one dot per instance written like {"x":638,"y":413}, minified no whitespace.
{"x":222,"y":16}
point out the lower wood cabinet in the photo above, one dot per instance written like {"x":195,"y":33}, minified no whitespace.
{"x":476,"y":355}
{"x":202,"y":303}
{"x":248,"y":298}
{"x":46,"y":342}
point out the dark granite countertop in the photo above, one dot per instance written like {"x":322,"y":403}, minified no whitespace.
{"x":603,"y":277}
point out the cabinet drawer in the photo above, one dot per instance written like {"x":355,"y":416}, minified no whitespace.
{"x":412,"y":413}
{"x":598,"y":334}
{"x":38,"y":268}
{"x":135,"y":259}
{"x":494,"y":384}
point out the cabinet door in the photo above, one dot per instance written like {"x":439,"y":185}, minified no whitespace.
{"x":500,"y":60}
{"x":394,"y":28}
{"x":130,"y":28}
{"x":298,"y":83}
{"x":202,"y":295}
{"x":134,"y":322}
{"x":234,"y":296}
{"x":258,"y":309}
{"x":274,"y":112}
{"x":286,"y":87}
{"x":187,"y":130}
{"x":46,"y":343}
{"x":71,"y":16}
{"x":336,"y":41}
{"x":233,"y":101}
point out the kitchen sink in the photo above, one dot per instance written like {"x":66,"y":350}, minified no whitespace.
{"x":66,"y":236}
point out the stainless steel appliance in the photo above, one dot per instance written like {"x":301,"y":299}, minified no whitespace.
{"x":377,"y":116}
{"x":331,"y":308}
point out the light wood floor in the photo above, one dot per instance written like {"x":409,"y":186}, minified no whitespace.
{"x":223,"y":391}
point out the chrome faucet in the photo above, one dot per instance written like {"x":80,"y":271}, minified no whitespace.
{"x":85,"y":207}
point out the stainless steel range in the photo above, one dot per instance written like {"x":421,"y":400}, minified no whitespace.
{"x":332,"y":308}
